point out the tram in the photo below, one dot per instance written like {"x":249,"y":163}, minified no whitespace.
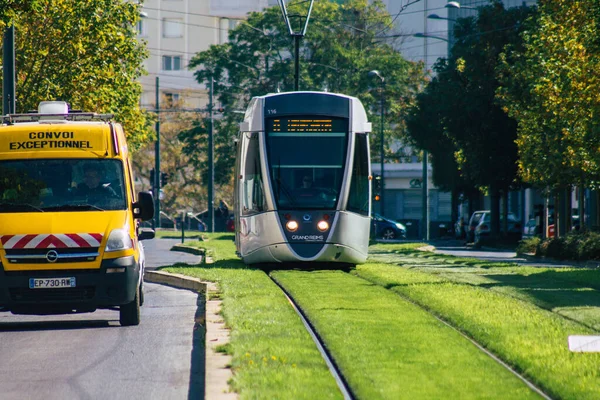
{"x":303,"y":180}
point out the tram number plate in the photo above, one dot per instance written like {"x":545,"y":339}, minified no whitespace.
{"x":50,"y":283}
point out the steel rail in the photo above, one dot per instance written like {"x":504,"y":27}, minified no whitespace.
{"x":333,"y":368}
{"x":530,"y":384}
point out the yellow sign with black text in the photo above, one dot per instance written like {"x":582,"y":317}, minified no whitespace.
{"x":27,"y":140}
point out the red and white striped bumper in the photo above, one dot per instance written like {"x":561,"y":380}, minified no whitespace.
{"x":51,"y":241}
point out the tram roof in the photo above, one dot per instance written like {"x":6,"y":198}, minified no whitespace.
{"x":305,"y":103}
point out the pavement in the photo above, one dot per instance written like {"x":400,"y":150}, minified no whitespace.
{"x":158,"y":254}
{"x":459,"y":248}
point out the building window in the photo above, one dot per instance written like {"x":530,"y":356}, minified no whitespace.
{"x":141,"y":27}
{"x":171,"y":99}
{"x":171,"y":63}
{"x":172,"y":28}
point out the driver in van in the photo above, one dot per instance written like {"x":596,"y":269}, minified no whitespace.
{"x":91,"y":185}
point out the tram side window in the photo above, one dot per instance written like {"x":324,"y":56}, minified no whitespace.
{"x":358,"y":200}
{"x":253,"y":195}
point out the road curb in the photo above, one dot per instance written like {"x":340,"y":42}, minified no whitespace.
{"x":188,"y":249}
{"x":217,"y":365}
{"x":573,"y":263}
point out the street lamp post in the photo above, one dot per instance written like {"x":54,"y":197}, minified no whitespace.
{"x":381,"y":148}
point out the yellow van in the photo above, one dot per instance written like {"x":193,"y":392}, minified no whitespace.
{"x":69,"y":239}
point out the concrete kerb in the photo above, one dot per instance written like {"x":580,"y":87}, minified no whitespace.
{"x":217,"y":365}
{"x":188,"y":249}
{"x":206,"y":256}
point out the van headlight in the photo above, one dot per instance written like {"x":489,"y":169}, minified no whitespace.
{"x":118,"y":239}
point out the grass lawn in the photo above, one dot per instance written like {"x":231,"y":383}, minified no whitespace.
{"x":388,"y":347}
{"x":273,"y":355}
{"x":522,"y":314}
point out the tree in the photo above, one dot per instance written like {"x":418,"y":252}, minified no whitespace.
{"x":85,"y":53}
{"x":10,"y":8}
{"x":186,"y":188}
{"x":483,"y":136}
{"x":426,"y":131}
{"x":342,"y":44}
{"x":552,"y":89}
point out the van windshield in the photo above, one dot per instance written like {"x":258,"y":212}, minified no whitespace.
{"x":61,"y":185}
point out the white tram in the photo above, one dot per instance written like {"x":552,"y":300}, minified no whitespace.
{"x":303,"y":180}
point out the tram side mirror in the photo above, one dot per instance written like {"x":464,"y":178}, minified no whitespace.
{"x":144,"y":207}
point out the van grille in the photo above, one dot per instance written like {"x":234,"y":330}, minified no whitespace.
{"x":44,"y":256}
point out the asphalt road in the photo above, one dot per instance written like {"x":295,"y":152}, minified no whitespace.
{"x":159,"y":254}
{"x":90,"y":356}
{"x":459,"y":249}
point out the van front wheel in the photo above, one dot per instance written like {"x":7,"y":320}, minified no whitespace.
{"x":129,"y":314}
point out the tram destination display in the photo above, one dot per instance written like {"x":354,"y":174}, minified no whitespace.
{"x":306,"y":124}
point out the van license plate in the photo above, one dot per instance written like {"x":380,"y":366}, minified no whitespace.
{"x":50,"y":283}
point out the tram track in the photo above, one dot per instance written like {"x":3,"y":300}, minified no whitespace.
{"x":335,"y":370}
{"x":327,"y":357}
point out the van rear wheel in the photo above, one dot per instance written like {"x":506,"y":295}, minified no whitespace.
{"x":129,"y":314}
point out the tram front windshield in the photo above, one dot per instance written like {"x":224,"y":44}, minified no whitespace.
{"x":306,"y":157}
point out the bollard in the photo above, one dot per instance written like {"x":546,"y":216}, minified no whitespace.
{"x":182,"y":226}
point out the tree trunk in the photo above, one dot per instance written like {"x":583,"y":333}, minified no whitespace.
{"x":504,"y":213}
{"x":494,"y":211}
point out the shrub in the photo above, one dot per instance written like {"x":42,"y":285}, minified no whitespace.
{"x":573,"y":246}
{"x":589,"y":247}
{"x":528,"y":245}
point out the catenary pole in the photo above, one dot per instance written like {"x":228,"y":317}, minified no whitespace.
{"x":211,"y":167}
{"x":8,"y":73}
{"x":157,"y":160}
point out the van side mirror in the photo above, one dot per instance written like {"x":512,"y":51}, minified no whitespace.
{"x":144,"y":207}
{"x":146,"y":234}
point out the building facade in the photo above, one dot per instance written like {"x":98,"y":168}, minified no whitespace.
{"x":174,"y":31}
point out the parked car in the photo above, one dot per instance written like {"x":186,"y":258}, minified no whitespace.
{"x":531,"y":229}
{"x":386,"y":228}
{"x":483,"y":228}
{"x":460,"y":229}
{"x":473,"y":222}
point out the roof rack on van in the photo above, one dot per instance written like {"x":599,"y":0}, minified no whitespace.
{"x":55,"y":110}
{"x":11,"y":119}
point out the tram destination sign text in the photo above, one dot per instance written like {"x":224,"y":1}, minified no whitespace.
{"x":304,"y":124}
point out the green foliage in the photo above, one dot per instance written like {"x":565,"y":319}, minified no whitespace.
{"x":573,"y":246}
{"x":459,"y":108}
{"x":528,"y":245}
{"x":551,"y":88}
{"x":343,"y":43}
{"x":85,"y":53}
{"x":11,"y":8}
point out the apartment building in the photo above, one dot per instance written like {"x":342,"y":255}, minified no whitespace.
{"x":174,"y":31}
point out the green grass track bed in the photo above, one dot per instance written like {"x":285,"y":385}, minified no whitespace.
{"x":389,"y":348}
{"x":274,"y":357}
{"x":518,"y":315}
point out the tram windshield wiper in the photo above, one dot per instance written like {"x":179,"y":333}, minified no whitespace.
{"x":18,"y":207}
{"x":283,"y":188}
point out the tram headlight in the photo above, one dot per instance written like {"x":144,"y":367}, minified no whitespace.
{"x":292,"y":226}
{"x":323,"y":226}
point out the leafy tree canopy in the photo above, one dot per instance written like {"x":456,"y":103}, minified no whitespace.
{"x":552,"y":88}
{"x":85,"y":53}
{"x":10,"y":8}
{"x":461,"y":104}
